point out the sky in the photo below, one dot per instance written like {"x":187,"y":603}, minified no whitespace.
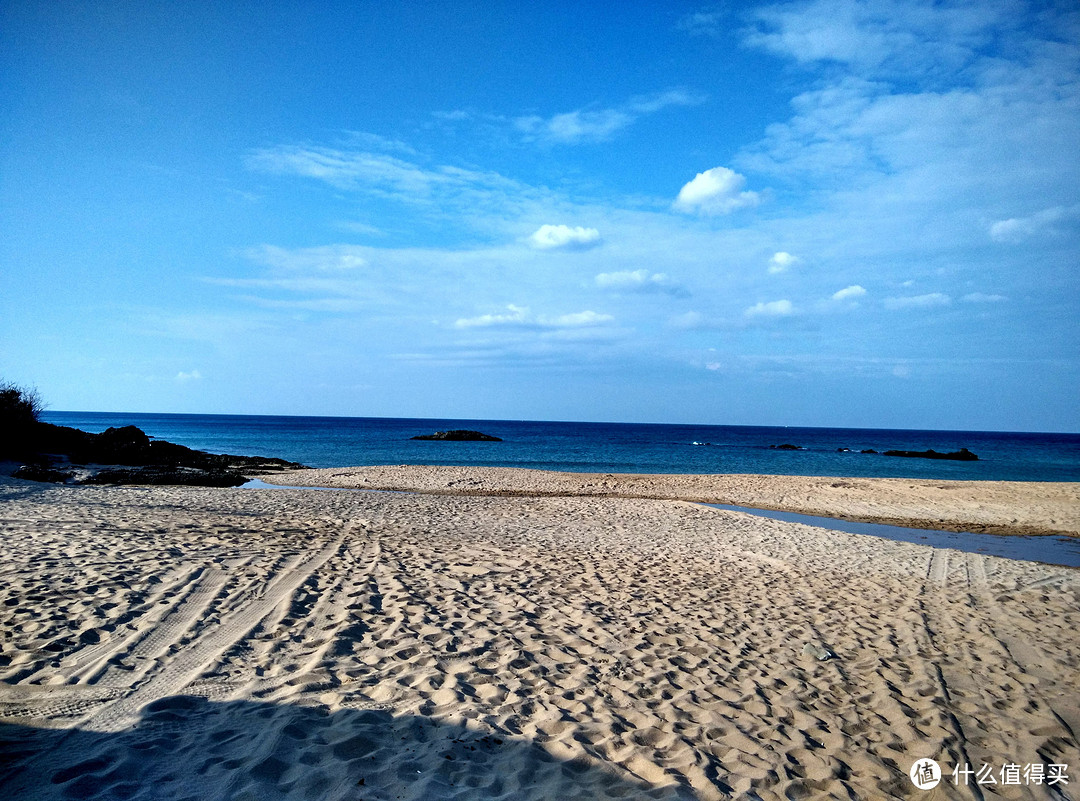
{"x":823,"y":213}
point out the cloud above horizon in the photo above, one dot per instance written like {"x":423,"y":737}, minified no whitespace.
{"x":600,"y":124}
{"x":781,"y":262}
{"x":849,"y":293}
{"x":638,"y":281}
{"x":927,"y":301}
{"x":554,"y":237}
{"x":522,"y":317}
{"x":775,"y":308}
{"x":1017,"y":229}
{"x":715,"y":191}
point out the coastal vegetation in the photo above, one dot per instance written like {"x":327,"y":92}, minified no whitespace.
{"x":20,"y":412}
{"x":119,"y":455}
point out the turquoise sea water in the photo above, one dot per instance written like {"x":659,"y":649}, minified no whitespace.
{"x":609,"y":447}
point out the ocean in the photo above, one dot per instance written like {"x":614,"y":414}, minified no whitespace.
{"x":609,"y":447}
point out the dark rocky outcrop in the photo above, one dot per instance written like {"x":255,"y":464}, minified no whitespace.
{"x":787,"y":446}
{"x":459,"y":435}
{"x":42,"y":472}
{"x":133,"y":458}
{"x":962,"y":455}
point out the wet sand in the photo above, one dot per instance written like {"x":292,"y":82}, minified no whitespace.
{"x":171,"y":643}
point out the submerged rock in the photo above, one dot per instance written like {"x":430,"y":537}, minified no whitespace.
{"x":459,"y":435}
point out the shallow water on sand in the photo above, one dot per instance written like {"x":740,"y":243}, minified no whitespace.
{"x":1051,"y":550}
{"x":1047,"y":549}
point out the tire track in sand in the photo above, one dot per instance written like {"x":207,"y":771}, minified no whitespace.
{"x":292,"y":644}
{"x":932,"y":635}
{"x":1059,"y":735}
{"x":989,"y":678}
{"x":190,"y":664}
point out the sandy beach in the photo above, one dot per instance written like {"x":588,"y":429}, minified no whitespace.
{"x":511,"y":634}
{"x":997,"y":507}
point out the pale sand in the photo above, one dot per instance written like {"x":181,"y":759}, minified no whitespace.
{"x":181,"y":643}
{"x":998,"y":507}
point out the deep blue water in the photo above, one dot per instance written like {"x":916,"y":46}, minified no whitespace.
{"x":608,"y":447}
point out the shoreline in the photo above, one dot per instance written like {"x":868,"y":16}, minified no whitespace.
{"x":1018,"y":508}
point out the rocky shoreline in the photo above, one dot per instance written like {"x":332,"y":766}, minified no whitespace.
{"x":126,"y":455}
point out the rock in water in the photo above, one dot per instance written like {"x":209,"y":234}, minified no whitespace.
{"x":962,"y":455}
{"x":459,"y":435}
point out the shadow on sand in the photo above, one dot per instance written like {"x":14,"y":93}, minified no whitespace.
{"x":185,"y":747}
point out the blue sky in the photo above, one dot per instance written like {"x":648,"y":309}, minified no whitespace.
{"x":811,"y":213}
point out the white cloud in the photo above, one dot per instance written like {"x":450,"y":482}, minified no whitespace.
{"x":885,"y":36}
{"x":516,"y":315}
{"x":689,"y":320}
{"x":575,"y":126}
{"x":342,"y":168}
{"x":781,"y":262}
{"x":775,"y":308}
{"x":715,"y":191}
{"x":701,"y":23}
{"x":650,"y":104}
{"x":183,"y":377}
{"x":637,"y":281}
{"x":918,"y":301}
{"x":521,"y":316}
{"x":385,"y":175}
{"x":576,"y":320}
{"x":322,"y":259}
{"x":551,"y":237}
{"x":849,"y":293}
{"x":598,"y":125}
{"x":979,"y":297}
{"x":1016,"y":229}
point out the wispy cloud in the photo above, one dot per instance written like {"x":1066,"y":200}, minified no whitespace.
{"x":343,"y":168}
{"x":352,"y":169}
{"x":322,"y":259}
{"x":891,"y":36}
{"x":599,"y":124}
{"x":927,"y":301}
{"x":849,"y":293}
{"x":979,"y":297}
{"x":715,"y":191}
{"x":553,"y":237}
{"x":1017,"y":229}
{"x":638,"y":281}
{"x":522,"y":317}
{"x":774,"y":308}
{"x":704,"y":22}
